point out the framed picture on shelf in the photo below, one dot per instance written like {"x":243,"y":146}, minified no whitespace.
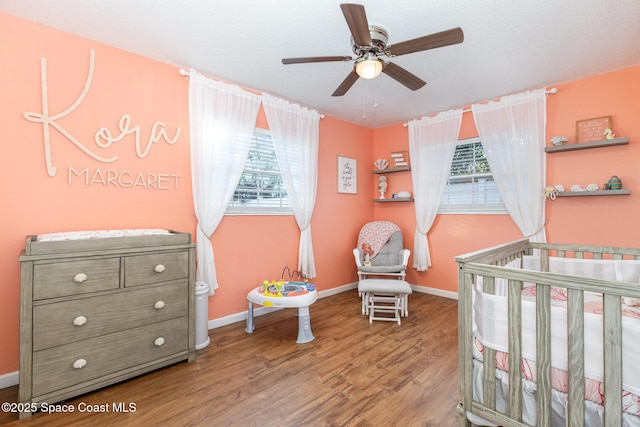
{"x":592,"y":129}
{"x":400,"y":159}
{"x":347,"y":175}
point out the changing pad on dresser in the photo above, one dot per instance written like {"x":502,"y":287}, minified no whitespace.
{"x":100,"y":240}
{"x":99,"y":234}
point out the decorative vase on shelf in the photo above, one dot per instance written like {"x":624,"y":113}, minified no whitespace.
{"x":614,"y":183}
{"x":382,"y":186}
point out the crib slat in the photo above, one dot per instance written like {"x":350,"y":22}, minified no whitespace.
{"x":575,"y":343}
{"x":543,"y":354}
{"x":544,"y":260}
{"x":465,"y":342}
{"x":612,"y":361}
{"x":489,"y":378}
{"x":489,"y":356}
{"x":514,"y":327}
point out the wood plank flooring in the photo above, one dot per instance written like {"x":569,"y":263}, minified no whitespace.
{"x":353,"y":374}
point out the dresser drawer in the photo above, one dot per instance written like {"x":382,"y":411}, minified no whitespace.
{"x":153,"y":268}
{"x":75,"y":277}
{"x":78,"y":319}
{"x":53,"y":369}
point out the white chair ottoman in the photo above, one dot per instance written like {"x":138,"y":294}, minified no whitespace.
{"x":385,"y":296}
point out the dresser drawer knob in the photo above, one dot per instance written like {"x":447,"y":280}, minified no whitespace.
{"x":79,"y":364}
{"x":80,"y":320}
{"x":80,"y":277}
{"x":159,"y":341}
{"x":159,"y":268}
{"x":158,"y":305}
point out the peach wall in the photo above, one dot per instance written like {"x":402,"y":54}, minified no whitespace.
{"x":248,"y":249}
{"x":244,"y":245}
{"x":586,"y":220}
{"x":450,"y":235}
{"x":596,"y":220}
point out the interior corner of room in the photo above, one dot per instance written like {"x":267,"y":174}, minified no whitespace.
{"x":98,"y":134}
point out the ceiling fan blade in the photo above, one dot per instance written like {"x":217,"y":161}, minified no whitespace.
{"x":398,"y":73}
{"x":357,"y":21}
{"x":346,"y":84}
{"x":315,"y":59}
{"x":432,"y":41}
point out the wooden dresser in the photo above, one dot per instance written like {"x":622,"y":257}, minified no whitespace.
{"x":97,"y":311}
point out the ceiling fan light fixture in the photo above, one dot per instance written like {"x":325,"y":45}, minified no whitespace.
{"x":369,"y":67}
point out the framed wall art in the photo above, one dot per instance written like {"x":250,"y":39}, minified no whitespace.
{"x":400,"y":159}
{"x":347,"y":175}
{"x":592,"y":129}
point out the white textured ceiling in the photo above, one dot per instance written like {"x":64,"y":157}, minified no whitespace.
{"x":509,"y":46}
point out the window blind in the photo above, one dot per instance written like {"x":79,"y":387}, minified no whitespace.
{"x":470,"y":186}
{"x":260,"y":189}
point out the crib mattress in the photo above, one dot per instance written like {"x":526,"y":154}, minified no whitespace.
{"x":593,"y":411}
{"x":559,"y":377}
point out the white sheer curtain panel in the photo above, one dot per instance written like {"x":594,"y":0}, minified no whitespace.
{"x":222,"y":119}
{"x":512,"y":131}
{"x":295,"y":135}
{"x":432,"y":142}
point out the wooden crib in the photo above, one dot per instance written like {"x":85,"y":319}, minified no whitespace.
{"x":504,"y":264}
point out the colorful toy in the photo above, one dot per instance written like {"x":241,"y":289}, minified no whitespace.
{"x":286,"y":288}
{"x":283,"y":289}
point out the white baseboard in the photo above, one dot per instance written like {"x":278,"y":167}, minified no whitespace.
{"x":9,"y":380}
{"x":436,"y":292}
{"x":260,"y":311}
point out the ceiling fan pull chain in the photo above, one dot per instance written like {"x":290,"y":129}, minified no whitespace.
{"x":364,"y":105}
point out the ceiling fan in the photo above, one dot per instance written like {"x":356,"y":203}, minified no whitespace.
{"x":370,"y":43}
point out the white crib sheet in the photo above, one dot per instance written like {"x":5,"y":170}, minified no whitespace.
{"x":490,"y":326}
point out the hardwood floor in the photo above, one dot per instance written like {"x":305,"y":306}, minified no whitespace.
{"x":353,"y":374}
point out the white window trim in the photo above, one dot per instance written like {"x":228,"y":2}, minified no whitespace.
{"x":472,"y":209}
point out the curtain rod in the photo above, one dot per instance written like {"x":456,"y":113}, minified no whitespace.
{"x":553,"y":90}
{"x":185,"y":73}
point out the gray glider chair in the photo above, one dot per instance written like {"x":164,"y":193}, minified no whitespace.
{"x":383,"y":272}
{"x":390,"y":261}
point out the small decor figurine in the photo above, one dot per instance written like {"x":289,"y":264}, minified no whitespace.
{"x":368,"y":251}
{"x":382,"y":186}
{"x":559,"y":140}
{"x":608,"y":133}
{"x":381,"y":164}
{"x":550,"y":192}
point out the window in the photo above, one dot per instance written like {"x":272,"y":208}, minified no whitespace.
{"x":470,"y":187}
{"x":260,"y":190}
